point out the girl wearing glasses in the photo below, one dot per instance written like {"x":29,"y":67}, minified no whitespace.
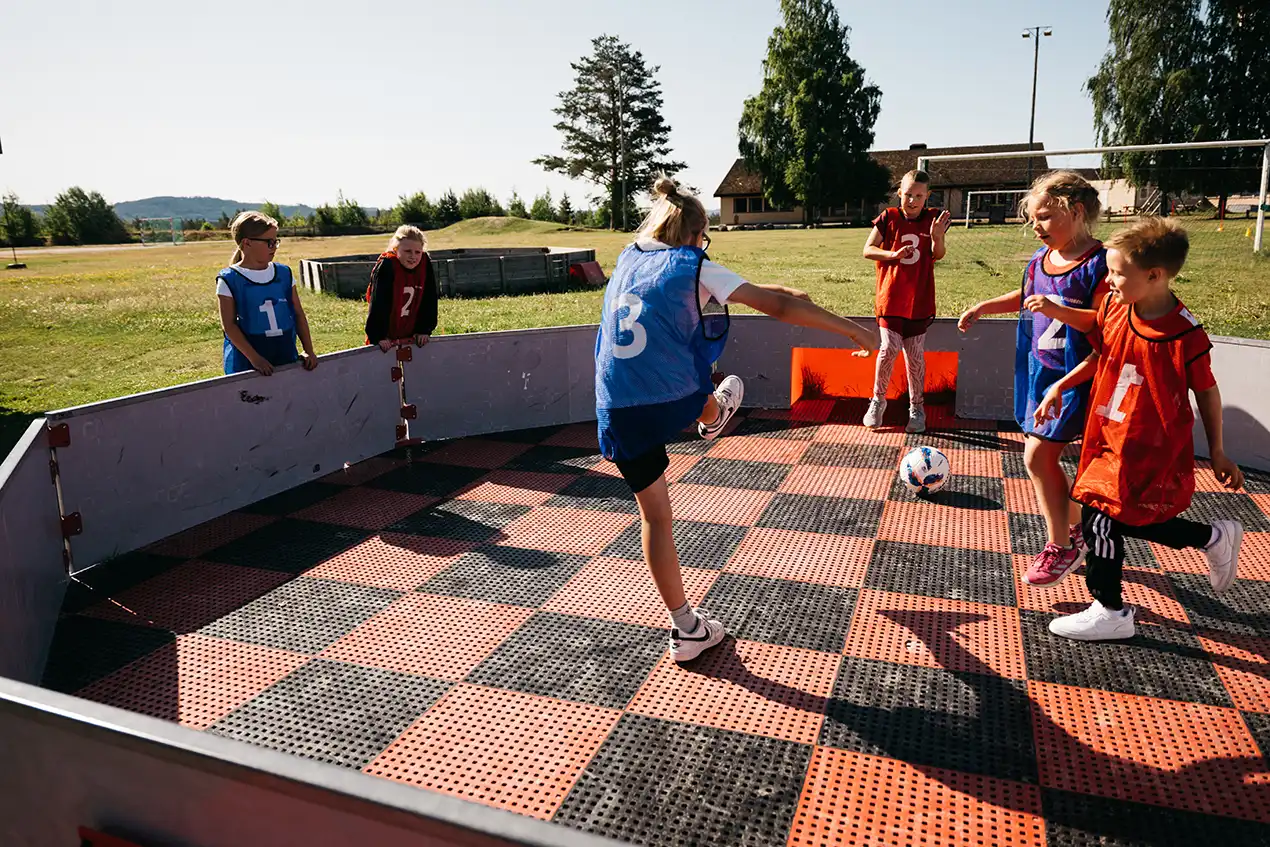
{"x":260,"y":309}
{"x":664,"y":322}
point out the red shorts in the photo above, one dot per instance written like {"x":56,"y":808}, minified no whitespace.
{"x":906,"y":327}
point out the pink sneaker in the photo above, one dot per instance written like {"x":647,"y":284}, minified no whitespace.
{"x":1053,"y":564}
{"x":1078,"y":540}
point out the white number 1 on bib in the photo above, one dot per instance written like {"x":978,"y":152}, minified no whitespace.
{"x":267,"y":308}
{"x":1129,"y":376}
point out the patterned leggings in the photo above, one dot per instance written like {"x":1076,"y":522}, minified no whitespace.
{"x":914,"y":360}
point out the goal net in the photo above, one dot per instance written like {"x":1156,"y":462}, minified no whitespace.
{"x":1217,"y":194}
{"x":161,"y":231}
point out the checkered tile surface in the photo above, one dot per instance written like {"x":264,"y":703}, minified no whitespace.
{"x":474,"y":618}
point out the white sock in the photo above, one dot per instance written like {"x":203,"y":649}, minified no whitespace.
{"x":684,"y":619}
{"x":1213,"y":539}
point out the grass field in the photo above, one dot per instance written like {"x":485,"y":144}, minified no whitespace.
{"x":83,"y":325}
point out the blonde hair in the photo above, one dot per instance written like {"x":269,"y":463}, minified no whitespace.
{"x":1066,"y":188}
{"x":248,"y":225}
{"x":407,"y":232}
{"x":1153,"y":243}
{"x":675,"y":217}
{"x":917,"y":176}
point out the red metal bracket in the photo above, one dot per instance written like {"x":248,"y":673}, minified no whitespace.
{"x":409,"y":412}
{"x":401,"y":433}
{"x":59,"y":435}
{"x":72,"y":524}
{"x":405,"y":354}
{"x":53,"y":470}
{"x":396,"y":373}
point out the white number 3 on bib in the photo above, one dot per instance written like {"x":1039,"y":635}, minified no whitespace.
{"x":630,"y":323}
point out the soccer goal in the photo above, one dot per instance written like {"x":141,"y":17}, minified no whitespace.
{"x":161,"y":230}
{"x":992,"y":205}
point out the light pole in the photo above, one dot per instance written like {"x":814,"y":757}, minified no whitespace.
{"x":1035,"y":34}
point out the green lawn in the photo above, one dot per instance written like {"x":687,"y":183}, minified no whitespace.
{"x":83,"y":325}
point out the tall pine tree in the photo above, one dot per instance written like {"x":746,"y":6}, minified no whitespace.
{"x":614,"y":133}
{"x":809,"y":130}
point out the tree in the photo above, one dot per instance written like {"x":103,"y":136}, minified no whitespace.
{"x":516,"y":206}
{"x":19,"y":226}
{"x":565,"y":213}
{"x":614,"y":133}
{"x":417,"y":209}
{"x":448,"y":209}
{"x":350,"y":215}
{"x":478,"y":203}
{"x":326,"y":220}
{"x":81,"y":217}
{"x":272,"y":210}
{"x":809,"y":130}
{"x":543,"y":209}
{"x":1239,"y":90}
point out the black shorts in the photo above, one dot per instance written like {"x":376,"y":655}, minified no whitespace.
{"x":645,"y":469}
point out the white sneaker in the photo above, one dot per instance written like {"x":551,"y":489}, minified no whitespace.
{"x":1097,"y":623}
{"x":709,"y":632}
{"x":916,"y":420}
{"x":873,"y":417}
{"x":728,"y":395}
{"x":1223,"y":554}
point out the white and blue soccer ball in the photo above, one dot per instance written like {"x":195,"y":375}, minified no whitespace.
{"x":924,"y":471}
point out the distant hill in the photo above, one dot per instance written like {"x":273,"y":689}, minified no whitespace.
{"x":207,"y":208}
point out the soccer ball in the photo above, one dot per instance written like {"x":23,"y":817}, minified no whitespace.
{"x":924,"y":471}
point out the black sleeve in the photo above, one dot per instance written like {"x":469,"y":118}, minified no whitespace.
{"x":380,"y":302}
{"x":426,"y":323}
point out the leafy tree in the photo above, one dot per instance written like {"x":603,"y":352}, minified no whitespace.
{"x":614,"y":132}
{"x":516,"y":207}
{"x":416,"y":209}
{"x":350,"y":215}
{"x":448,"y":209}
{"x":271,"y":209}
{"x":81,"y":217}
{"x":326,"y":219}
{"x":810,"y":128}
{"x":543,"y":209}
{"x":19,"y":226}
{"x":478,"y":203}
{"x":565,"y":213}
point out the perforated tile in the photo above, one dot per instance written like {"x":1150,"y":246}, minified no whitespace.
{"x":1205,"y":480}
{"x":1028,"y":534}
{"x":700,"y":545}
{"x":583,"y":435}
{"x":1079,"y":820}
{"x":304,"y":615}
{"x":194,"y":681}
{"x":1020,"y":496}
{"x":1255,"y":481}
{"x":962,"y":439}
{"x":708,"y":504}
{"x":623,"y":590}
{"x":1207,"y":508}
{"x":462,"y":520}
{"x":92,"y":585}
{"x":930,"y":716}
{"x":1262,"y":501}
{"x":288,"y":545}
{"x":646,"y":784}
{"x":770,"y":428}
{"x":188,"y":597}
{"x":500,"y":748}
{"x":918,"y":522}
{"x":1243,"y":664}
{"x":731,"y":473}
{"x":854,"y":433}
{"x":833,"y":515}
{"x":365,"y":508}
{"x":856,"y":483}
{"x":854,"y":799}
{"x":680,"y":464}
{"x":522,"y":488}
{"x":574,"y":658}
{"x":476,"y":453}
{"x":207,"y":536}
{"x":427,"y":479}
{"x":543,"y":459}
{"x":958,"y":574}
{"x":86,"y":649}
{"x":743,"y":686}
{"x":363,"y":471}
{"x":293,"y":500}
{"x":1161,"y":752}
{"x":852,"y":456}
{"x":750,"y":448}
{"x":982,"y":463}
{"x":961,"y":491}
{"x":512,"y":575}
{"x":1150,"y":591}
{"x":1158,"y":662}
{"x":1259,"y":726}
{"x":1012,"y":465}
{"x":390,"y":560}
{"x":596,"y":491}
{"x":578,"y":531}
{"x":776,"y":611}
{"x":525,"y":436}
{"x":1254,"y":558}
{"x":420,"y":634}
{"x":1244,"y":609}
{"x":333,"y":712}
{"x":936,"y":633}
{"x":814,"y":411}
{"x":802,"y":557}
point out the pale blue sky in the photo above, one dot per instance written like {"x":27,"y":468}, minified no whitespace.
{"x":293,"y":101}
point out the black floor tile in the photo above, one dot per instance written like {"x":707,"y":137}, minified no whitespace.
{"x":100,"y":582}
{"x":1207,"y":507}
{"x":777,"y":611}
{"x":288,"y":545}
{"x":86,"y":649}
{"x":1013,"y":466}
{"x":547,"y":459}
{"x":333,"y":712}
{"x":976,"y":493}
{"x":523,"y":436}
{"x":700,"y":545}
{"x":966,"y":722}
{"x":776,"y":428}
{"x":665,"y":784}
{"x":1259,"y":726}
{"x":974,"y":575}
{"x":295,"y":499}
{"x":574,"y":658}
{"x":960,"y":439}
{"x":1028,"y":533}
{"x":510,"y":575}
{"x":833,"y":515}
{"x":427,"y":478}
{"x":1082,"y":820}
{"x":851,"y":456}
{"x":461,"y":520}
{"x":601,"y":493}
{"x":734,"y":473}
{"x":1245,"y":608}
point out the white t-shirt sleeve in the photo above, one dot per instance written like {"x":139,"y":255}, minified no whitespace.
{"x":222,"y":290}
{"x":719,"y":281}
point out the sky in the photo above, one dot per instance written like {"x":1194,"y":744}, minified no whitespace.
{"x":294,"y":102}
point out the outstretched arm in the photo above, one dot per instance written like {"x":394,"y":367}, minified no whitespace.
{"x":793,"y":310}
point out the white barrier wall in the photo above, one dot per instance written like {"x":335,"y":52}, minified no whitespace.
{"x":1242,"y":369}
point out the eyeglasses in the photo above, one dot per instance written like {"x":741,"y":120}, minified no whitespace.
{"x":272,"y":243}
{"x":705,"y":241}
